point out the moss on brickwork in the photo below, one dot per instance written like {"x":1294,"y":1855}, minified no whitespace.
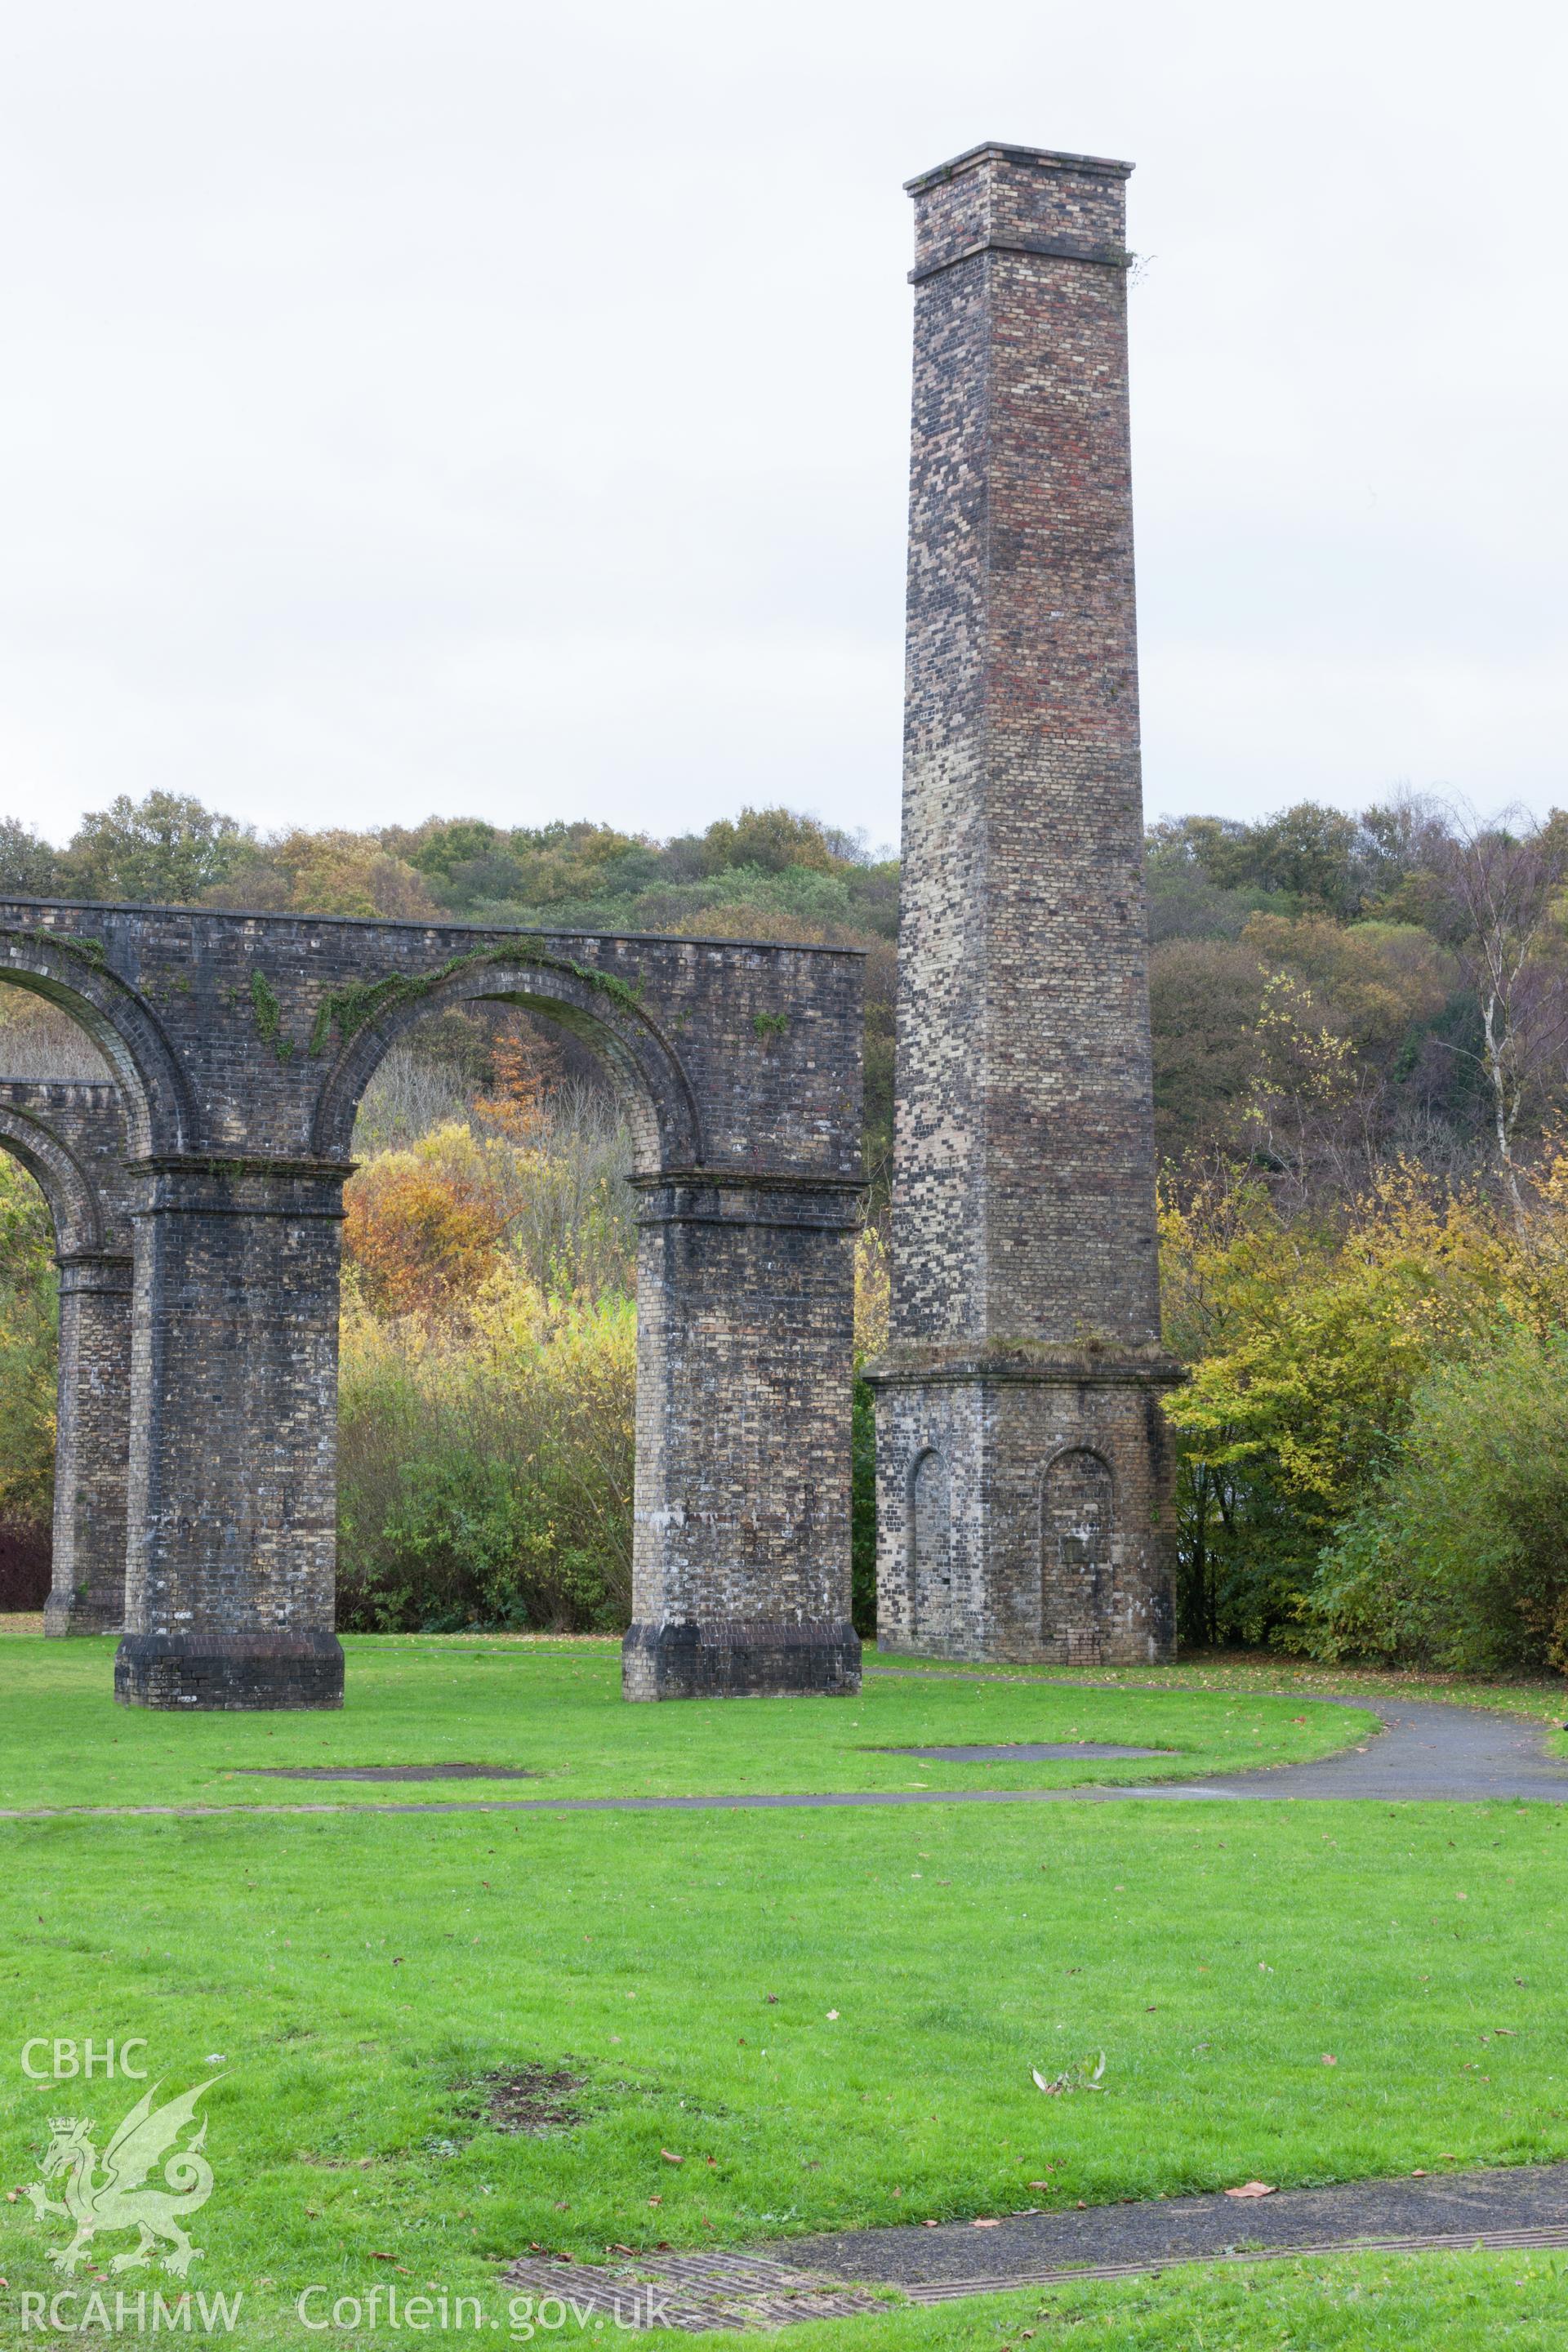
{"x":269,"y":1016}
{"x":344,"y":1012}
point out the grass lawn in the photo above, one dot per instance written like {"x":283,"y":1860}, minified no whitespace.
{"x":351,"y":1980}
{"x":1250,"y":1674}
{"x":555,"y":1708}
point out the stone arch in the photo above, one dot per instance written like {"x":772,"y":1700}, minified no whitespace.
{"x":160,"y":1116}
{"x":931,"y":1612}
{"x":1077,"y":1520}
{"x":77,"y":1207}
{"x":241,"y":1044}
{"x":604,"y":1014}
{"x":70,"y":1135}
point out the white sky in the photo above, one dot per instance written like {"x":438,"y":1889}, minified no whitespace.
{"x":500,"y":408}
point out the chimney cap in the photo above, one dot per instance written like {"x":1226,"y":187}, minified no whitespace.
{"x":996,"y":150}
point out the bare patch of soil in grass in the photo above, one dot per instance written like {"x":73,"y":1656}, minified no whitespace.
{"x":532,"y":2099}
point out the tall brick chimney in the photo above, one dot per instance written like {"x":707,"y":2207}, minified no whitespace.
{"x":1023,"y":1468}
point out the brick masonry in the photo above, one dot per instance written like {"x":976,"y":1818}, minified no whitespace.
{"x":70,"y":1136}
{"x":242,"y":1044}
{"x":1023,"y":1470}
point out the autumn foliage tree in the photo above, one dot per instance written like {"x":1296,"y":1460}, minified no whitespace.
{"x":423,"y":1226}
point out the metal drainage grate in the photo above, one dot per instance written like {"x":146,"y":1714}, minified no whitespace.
{"x":693,"y":2292}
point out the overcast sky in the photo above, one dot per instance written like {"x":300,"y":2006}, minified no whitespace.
{"x":479,"y":406}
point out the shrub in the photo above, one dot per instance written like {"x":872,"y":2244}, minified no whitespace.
{"x":486,"y":1464}
{"x":1461,"y":1560}
{"x":1306,"y":1340}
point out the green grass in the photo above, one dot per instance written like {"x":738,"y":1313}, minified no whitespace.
{"x":1248,"y":1673}
{"x":553,"y":1708}
{"x":350,"y":1979}
{"x":1409,"y":2304}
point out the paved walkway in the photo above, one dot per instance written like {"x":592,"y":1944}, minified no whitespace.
{"x":1518,"y":2205}
{"x":836,"y":2275}
{"x":1425,"y":1752}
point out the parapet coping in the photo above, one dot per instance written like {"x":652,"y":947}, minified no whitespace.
{"x":1042,"y":159}
{"x":401,"y":923}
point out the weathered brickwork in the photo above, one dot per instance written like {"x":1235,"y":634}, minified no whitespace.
{"x":1014,"y":1505}
{"x":750,"y":1298}
{"x":242,"y":1044}
{"x":1022,"y":1377}
{"x":71,"y":1138}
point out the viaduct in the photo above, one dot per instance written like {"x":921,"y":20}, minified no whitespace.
{"x":1022,"y":1477}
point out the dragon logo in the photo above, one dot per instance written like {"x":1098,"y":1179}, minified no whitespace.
{"x":110,"y":2192}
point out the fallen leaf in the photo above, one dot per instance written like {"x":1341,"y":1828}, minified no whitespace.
{"x":1419,"y":2173}
{"x":832,"y":2015}
{"x":1327,"y":2060}
{"x":1252,"y":2188}
{"x":656,"y":2200}
{"x":928,"y":2225}
{"x":382,"y":2258}
{"x":985,"y":2224}
{"x":669,"y":2158}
